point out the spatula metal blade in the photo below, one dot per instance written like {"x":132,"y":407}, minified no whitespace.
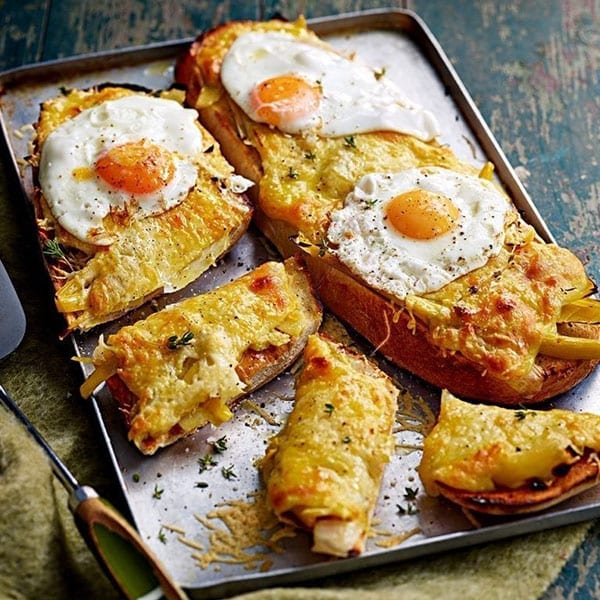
{"x":12,"y":317}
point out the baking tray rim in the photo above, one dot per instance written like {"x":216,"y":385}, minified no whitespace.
{"x":371,"y":18}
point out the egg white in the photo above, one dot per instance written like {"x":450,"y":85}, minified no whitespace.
{"x":80,"y":205}
{"x":354,"y":100}
{"x":398,"y":265}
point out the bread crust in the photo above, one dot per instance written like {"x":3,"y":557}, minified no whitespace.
{"x":399,"y":336}
{"x":580,"y":476}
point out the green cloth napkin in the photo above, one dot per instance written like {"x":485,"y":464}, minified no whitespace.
{"x":41,"y":552}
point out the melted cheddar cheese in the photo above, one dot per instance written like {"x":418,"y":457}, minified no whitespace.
{"x":161,"y":253}
{"x":181,"y":363}
{"x":499,"y":316}
{"x":323,"y":470}
{"x":478,"y":448}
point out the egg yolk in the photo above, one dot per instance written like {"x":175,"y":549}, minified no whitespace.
{"x":136,"y":167}
{"x":284,"y":98}
{"x":422,"y":215}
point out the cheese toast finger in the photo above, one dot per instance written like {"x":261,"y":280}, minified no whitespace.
{"x":190,"y":363}
{"x":324,"y":469}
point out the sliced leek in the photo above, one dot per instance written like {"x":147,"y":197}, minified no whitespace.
{"x":586,"y":310}
{"x":98,"y":376}
{"x":570,"y":348}
{"x":427,"y":310}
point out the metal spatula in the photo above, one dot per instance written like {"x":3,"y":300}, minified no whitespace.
{"x":130,"y":564}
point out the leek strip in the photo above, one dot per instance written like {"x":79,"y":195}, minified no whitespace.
{"x":71,"y":298}
{"x":100,"y":375}
{"x":586,"y":310}
{"x":427,"y":310}
{"x":570,"y":348}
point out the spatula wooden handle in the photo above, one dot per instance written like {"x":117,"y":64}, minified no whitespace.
{"x":128,"y":561}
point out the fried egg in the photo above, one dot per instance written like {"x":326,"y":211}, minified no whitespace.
{"x":299,"y":87}
{"x":132,"y":157}
{"x":416,"y":230}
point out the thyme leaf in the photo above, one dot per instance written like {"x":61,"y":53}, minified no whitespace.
{"x":228,"y":472}
{"x":175,"y":342}
{"x":220,"y":445}
{"x":161,"y":536}
{"x":350,"y":141}
{"x":206,"y":462}
{"x":53,"y":249}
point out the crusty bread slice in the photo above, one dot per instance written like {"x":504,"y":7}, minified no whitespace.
{"x":162,"y":253}
{"x":568,"y":351}
{"x":505,"y":461}
{"x":190,"y":363}
{"x":579,"y":477}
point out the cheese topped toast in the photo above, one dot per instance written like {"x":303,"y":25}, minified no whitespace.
{"x":134,"y":199}
{"x":416,"y":249}
{"x":323,"y":470}
{"x":504,"y":461}
{"x":189,"y":363}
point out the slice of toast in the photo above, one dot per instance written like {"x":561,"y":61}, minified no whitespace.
{"x":190,"y":363}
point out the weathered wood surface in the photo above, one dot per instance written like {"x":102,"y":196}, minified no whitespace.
{"x":532,"y":67}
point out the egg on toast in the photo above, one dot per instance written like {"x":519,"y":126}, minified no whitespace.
{"x":133,"y":199}
{"x":416,"y":249}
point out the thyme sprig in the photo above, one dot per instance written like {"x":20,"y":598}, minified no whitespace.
{"x":175,"y":341}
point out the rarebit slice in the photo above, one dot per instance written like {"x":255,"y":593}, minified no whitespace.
{"x":504,"y":461}
{"x":188,"y":364}
{"x":417,"y":249}
{"x":323,"y":470}
{"x":133,"y":199}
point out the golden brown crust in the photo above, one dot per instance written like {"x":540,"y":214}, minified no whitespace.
{"x":534,"y":497}
{"x":399,"y":336}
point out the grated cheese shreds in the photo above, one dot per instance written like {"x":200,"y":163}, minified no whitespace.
{"x":238,"y":531}
{"x":190,"y":543}
{"x":415,"y":414}
{"x":261,"y":412}
{"x":173,"y":528}
{"x":389,"y":541}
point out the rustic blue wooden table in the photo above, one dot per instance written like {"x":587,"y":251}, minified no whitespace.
{"x":532,"y":67}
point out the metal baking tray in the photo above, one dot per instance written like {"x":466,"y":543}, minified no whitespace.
{"x":182,"y":504}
